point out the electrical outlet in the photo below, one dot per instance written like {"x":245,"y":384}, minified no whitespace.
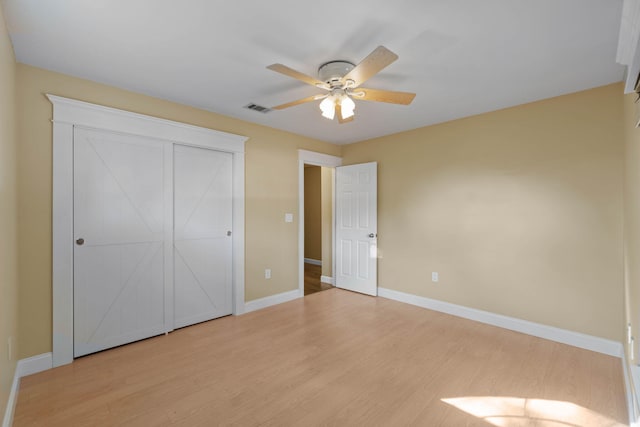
{"x":267,"y":273}
{"x":288,"y":217}
{"x":434,"y":276}
{"x":628,"y":333}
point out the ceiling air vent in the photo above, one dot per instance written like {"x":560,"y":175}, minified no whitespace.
{"x":258,"y":108}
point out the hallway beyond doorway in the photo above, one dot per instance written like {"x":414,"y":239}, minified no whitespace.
{"x":312,"y":283}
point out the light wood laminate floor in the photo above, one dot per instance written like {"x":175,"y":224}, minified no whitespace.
{"x":332,"y":358}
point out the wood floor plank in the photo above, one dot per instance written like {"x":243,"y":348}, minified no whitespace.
{"x":331,"y":358}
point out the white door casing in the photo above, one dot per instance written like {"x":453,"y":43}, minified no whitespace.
{"x":203,"y":217}
{"x":119,"y":226}
{"x":356,"y":228}
{"x":69,"y":114}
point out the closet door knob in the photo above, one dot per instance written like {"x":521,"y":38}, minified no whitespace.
{"x":80,"y":241}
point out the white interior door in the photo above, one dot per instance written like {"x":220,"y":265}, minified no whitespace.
{"x":119,"y":231}
{"x":357,"y":228}
{"x":202,"y":232}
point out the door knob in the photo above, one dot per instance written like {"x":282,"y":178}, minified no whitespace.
{"x":372,"y":235}
{"x":80,"y":241}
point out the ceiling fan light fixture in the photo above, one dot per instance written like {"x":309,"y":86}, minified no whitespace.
{"x":327,"y":106}
{"x":347,"y":106}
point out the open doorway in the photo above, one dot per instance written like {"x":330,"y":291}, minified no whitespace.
{"x":318,"y":220}
{"x":319,"y":170}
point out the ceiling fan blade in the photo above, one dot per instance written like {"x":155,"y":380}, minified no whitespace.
{"x":283,"y":69}
{"x":371,"y":65}
{"x":298,"y":102}
{"x":339,"y":114}
{"x":378,"y":95}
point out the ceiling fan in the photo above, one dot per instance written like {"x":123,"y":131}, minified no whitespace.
{"x":342,"y":80}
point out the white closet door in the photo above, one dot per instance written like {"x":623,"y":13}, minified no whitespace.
{"x":202,"y":234}
{"x":119,"y":225}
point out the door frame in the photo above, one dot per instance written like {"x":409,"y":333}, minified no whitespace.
{"x":68,"y":113}
{"x":323,"y":160}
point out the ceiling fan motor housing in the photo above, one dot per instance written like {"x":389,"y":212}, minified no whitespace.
{"x":332,"y":72}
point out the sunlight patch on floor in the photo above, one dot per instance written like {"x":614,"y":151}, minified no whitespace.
{"x":516,"y":411}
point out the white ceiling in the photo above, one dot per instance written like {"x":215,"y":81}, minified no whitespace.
{"x":461,"y":57}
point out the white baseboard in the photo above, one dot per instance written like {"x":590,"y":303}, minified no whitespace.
{"x":24,"y":367}
{"x":629,"y":386}
{"x":35,"y":364}
{"x":327,"y":279}
{"x":265,"y":302}
{"x":11,"y":403}
{"x":576,"y":339}
{"x":312,"y":261}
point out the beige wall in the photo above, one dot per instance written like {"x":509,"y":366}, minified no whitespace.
{"x":8,"y":218}
{"x":271,"y":190}
{"x":519,"y":210}
{"x":327,"y":220}
{"x":632,"y":222}
{"x":312,"y":213}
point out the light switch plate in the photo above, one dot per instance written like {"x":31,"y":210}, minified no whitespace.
{"x":288,"y":217}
